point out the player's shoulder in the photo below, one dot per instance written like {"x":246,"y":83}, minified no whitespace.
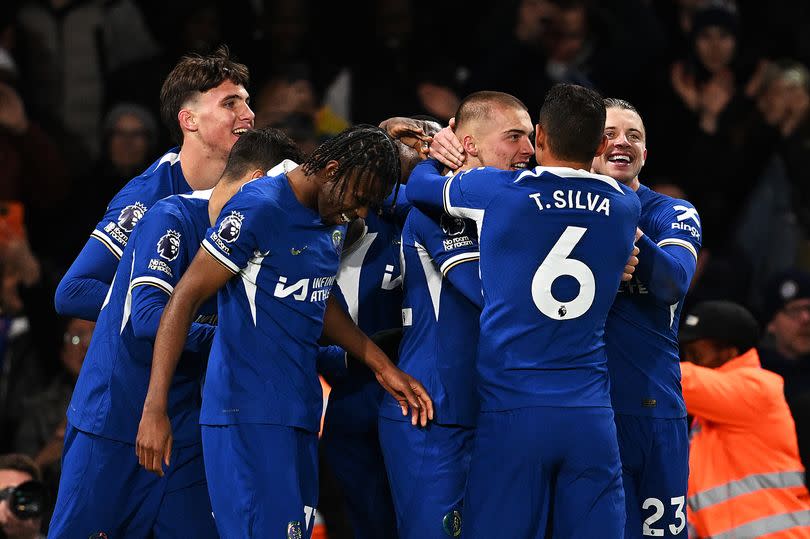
{"x":151,"y":185}
{"x":657,"y":203}
{"x":268,"y":190}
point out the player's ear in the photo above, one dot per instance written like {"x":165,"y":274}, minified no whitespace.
{"x":187,"y":120}
{"x":468,"y":143}
{"x":258,"y":173}
{"x":539,"y":137}
{"x":644,"y":157}
{"x":330,"y":170}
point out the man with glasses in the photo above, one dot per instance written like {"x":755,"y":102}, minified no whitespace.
{"x":786,"y":315}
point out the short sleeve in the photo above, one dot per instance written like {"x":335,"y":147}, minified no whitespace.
{"x":244,"y":224}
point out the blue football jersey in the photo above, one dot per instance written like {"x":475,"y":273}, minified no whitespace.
{"x":440,"y":325}
{"x":642,"y":331}
{"x":369,"y":279}
{"x":164,"y":177}
{"x":110,"y":392}
{"x":553,"y":243}
{"x":284,"y":258}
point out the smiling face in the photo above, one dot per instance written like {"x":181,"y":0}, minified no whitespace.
{"x":341,"y":208}
{"x":219,"y":116}
{"x":502,"y":140}
{"x":627,"y":148}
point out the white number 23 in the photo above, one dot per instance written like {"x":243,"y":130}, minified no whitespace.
{"x":658,"y":512}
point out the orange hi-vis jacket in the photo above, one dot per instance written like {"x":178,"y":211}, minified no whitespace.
{"x":745,"y":476}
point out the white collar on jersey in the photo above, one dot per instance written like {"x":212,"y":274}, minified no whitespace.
{"x":567,"y":172}
{"x":282,"y":168}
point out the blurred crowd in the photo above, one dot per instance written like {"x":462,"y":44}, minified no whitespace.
{"x":723,"y":88}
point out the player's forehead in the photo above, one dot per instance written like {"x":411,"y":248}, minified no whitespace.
{"x":623,"y":119}
{"x":226,"y":90}
{"x":504,"y":120}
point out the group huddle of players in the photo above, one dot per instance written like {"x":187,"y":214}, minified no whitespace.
{"x":537,"y":388}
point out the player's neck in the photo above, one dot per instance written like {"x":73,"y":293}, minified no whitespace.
{"x":222,"y":193}
{"x":202,"y":169}
{"x":305,"y":188}
{"x":550,"y":161}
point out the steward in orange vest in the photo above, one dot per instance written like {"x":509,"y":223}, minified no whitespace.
{"x":745,"y":478}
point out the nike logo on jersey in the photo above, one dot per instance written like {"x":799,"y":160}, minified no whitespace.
{"x":296,"y":252}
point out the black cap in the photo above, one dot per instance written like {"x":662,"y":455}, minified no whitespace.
{"x":722,"y":321}
{"x":782,"y":289}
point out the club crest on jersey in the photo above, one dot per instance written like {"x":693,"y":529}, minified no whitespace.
{"x":294,"y":530}
{"x":130,"y":216}
{"x":452,"y":523}
{"x":168,"y":246}
{"x":337,"y":240}
{"x":452,"y":226}
{"x":230,"y":227}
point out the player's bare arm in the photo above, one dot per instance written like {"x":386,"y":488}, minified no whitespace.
{"x":202,"y":279}
{"x":339,"y":328}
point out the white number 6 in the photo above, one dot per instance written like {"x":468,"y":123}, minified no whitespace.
{"x":556,"y":264}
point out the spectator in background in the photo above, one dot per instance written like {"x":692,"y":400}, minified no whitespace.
{"x":14,"y":470}
{"x":785,"y":349}
{"x":699,"y":121}
{"x":743,"y":435}
{"x":290,"y":101}
{"x":69,"y":47}
{"x":42,"y":429}
{"x":130,"y":140}
{"x":21,"y":370}
{"x":26,"y":152}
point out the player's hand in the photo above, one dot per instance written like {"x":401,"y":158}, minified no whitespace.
{"x":446,"y":148}
{"x":154,"y":442}
{"x":408,"y":392}
{"x":630,"y":267}
{"x":409,"y":132}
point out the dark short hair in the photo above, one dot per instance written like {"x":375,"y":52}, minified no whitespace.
{"x":616,"y":103}
{"x":479,"y":105}
{"x":20,"y":463}
{"x":261,"y":148}
{"x":573,"y":118}
{"x":365,"y":152}
{"x":192,"y":74}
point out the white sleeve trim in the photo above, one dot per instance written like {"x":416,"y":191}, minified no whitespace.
{"x":152,"y":281}
{"x":457,"y":259}
{"x":108,"y":243}
{"x":222,"y":259}
{"x":682,"y":243}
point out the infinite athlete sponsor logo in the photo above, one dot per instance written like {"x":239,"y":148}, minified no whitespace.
{"x":168,"y":246}
{"x":312,"y":290}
